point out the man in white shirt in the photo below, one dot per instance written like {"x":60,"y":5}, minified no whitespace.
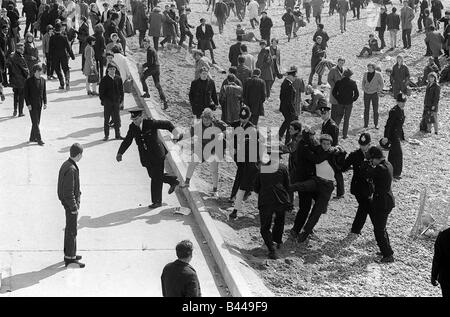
{"x":322,"y":185}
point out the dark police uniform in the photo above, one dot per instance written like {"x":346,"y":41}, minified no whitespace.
{"x":394,"y":132}
{"x":440,"y":270}
{"x":152,"y":152}
{"x":179,"y":279}
{"x":382,"y":202}
{"x":360,"y":186}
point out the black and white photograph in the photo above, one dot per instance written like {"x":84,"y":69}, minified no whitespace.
{"x":246,"y":152}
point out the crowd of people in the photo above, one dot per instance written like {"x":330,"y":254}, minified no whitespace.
{"x":316,"y":162}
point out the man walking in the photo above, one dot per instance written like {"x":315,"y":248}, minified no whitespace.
{"x":221,"y":13}
{"x":406,"y":17}
{"x":203,"y":94}
{"x":265,"y":25}
{"x":393,"y":26}
{"x":35,"y":95}
{"x":380,"y":172}
{"x":152,"y":69}
{"x":152,"y":152}
{"x":334,"y":75}
{"x":318,"y":53}
{"x":342,"y":8}
{"x":254,"y":95}
{"x":185,"y":28}
{"x":178,"y":278}
{"x":204,"y":34}
{"x":69,"y":195}
{"x":287,"y":100}
{"x":18,"y":73}
{"x":264,"y":63}
{"x":111,"y":96}
{"x":59,"y":48}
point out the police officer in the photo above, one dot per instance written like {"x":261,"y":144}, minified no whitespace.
{"x":380,"y":171}
{"x":151,"y":151}
{"x":360,"y":186}
{"x":246,"y":156}
{"x":393,"y":134}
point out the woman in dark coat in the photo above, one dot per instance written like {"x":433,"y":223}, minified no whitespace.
{"x":431,"y":102}
{"x":99,"y":48}
{"x":399,"y":77}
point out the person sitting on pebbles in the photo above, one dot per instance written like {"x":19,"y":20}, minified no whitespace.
{"x":246,"y":36}
{"x":370,"y":49}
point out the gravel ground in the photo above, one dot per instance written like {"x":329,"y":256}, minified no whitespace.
{"x":333,"y":264}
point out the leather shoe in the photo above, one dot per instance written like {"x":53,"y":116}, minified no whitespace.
{"x":302,"y":237}
{"x":105,"y":138}
{"x":119,"y":137}
{"x":233,"y":215}
{"x":154,"y":205}
{"x":386,"y":259}
{"x":146,"y":95}
{"x":74,"y":261}
{"x":41,"y":143}
{"x":273,"y":255}
{"x":78,"y":257}
{"x":173,"y":187}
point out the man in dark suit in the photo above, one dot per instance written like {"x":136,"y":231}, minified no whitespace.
{"x":235,"y":51}
{"x":272,"y":188}
{"x":178,"y":278}
{"x":440,"y":271}
{"x":380,"y":172}
{"x":203,"y":94}
{"x":360,"y":185}
{"x":59,"y":47}
{"x":111,"y":96}
{"x":35,"y":95}
{"x":330,"y":127}
{"x":69,"y":195}
{"x":204,"y":34}
{"x":152,"y":152}
{"x":393,"y":134}
{"x":287,"y":99}
{"x":185,"y":27}
{"x":254,"y":95}
{"x":18,"y":73}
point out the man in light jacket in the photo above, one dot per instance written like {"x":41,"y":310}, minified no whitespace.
{"x":372,"y":85}
{"x":406,"y":17}
{"x":335,"y":74}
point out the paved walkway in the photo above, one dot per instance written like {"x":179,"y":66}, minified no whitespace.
{"x":123,"y":243}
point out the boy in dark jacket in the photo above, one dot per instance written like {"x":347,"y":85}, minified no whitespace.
{"x":203,"y":94}
{"x":288,"y":19}
{"x":371,"y":48}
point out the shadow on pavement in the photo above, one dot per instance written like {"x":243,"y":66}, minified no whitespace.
{"x":89,"y":115}
{"x":82,"y":133}
{"x":24,"y":280}
{"x":71,"y":98}
{"x":15,"y":147}
{"x":126,"y":216}
{"x":66,"y":149}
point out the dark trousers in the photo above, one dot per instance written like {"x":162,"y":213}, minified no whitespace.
{"x":318,"y":19}
{"x":141,"y":36}
{"x":361,"y":213}
{"x":168,"y":39}
{"x":62,"y":63}
{"x":266,"y":37}
{"x":395,"y":156}
{"x":322,"y":189}
{"x":50,"y":69}
{"x":311,"y":76}
{"x":269,"y":84}
{"x":4,"y":77}
{"x":70,"y":234}
{"x":375,"y":102}
{"x":436,"y":61}
{"x":19,"y":98}
{"x":304,"y":207}
{"x":254,"y":118}
{"x":307,"y":11}
{"x":156,"y":42}
{"x":155,"y":75}
{"x":356,"y":11}
{"x":35,"y":115}
{"x":221,"y":23}
{"x":288,"y":118}
{"x":254,"y":22}
{"x":340,"y":188}
{"x":381,"y":36}
{"x":265,"y":215}
{"x":29,"y":24}
{"x":99,"y":64}
{"x":343,"y":111}
{"x":419,"y":22}
{"x":111,"y":110}
{"x":156,"y":173}
{"x":183,"y":37}
{"x":379,"y":221}
{"x":406,"y":38}
{"x":429,"y":52}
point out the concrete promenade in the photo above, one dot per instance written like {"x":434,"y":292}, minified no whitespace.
{"x":123,"y":243}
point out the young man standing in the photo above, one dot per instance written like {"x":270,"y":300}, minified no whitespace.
{"x":69,"y":195}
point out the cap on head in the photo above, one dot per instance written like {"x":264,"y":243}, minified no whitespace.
{"x":323,"y":106}
{"x":244,"y":112}
{"x":111,"y":66}
{"x":262,"y":42}
{"x":364,"y":138}
{"x":347,"y":73}
{"x":135,"y":112}
{"x":292,"y":70}
{"x":401,"y":97}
